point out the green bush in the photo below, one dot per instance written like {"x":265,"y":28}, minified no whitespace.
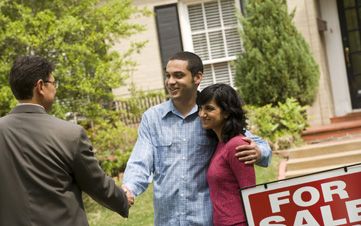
{"x":276,"y":63}
{"x":282,"y":125}
{"x":113,"y":144}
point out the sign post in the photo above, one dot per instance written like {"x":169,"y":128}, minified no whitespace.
{"x":328,"y":198}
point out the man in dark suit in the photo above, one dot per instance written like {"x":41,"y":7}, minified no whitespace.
{"x":45,"y":162}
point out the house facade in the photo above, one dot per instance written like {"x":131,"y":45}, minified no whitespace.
{"x":209,"y":28}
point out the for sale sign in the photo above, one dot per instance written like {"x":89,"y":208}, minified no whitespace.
{"x":328,"y":198}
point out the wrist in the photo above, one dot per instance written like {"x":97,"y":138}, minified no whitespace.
{"x":127,"y":191}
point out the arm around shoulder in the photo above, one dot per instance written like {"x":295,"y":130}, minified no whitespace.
{"x":264,"y":149}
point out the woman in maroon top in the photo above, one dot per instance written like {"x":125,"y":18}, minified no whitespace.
{"x":221,"y":113}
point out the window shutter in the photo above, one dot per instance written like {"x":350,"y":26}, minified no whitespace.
{"x":169,"y":34}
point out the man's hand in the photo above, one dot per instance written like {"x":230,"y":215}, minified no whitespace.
{"x":248,"y":153}
{"x":129,"y":194}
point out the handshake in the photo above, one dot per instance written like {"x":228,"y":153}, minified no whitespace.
{"x":130,"y":195}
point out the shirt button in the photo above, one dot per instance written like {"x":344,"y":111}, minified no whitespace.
{"x":184,"y":158}
{"x":184,"y":140}
{"x":181,"y":195}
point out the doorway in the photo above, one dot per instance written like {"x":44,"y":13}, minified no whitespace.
{"x":350,"y":22}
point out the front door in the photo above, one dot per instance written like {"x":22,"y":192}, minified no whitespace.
{"x":350,"y":21}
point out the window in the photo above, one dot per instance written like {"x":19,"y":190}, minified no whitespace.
{"x":213,"y":35}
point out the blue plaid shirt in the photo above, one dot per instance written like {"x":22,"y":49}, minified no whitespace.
{"x":175,"y":152}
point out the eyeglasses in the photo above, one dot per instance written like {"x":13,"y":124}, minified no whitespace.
{"x":55,"y":83}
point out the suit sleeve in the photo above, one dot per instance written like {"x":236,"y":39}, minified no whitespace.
{"x":93,"y":181}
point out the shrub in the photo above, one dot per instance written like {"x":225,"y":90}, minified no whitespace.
{"x":276,"y":63}
{"x":282,"y":125}
{"x":113,"y":144}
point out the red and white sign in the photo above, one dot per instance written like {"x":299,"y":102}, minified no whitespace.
{"x":328,"y":198}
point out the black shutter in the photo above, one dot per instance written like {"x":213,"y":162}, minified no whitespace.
{"x":169,"y":34}
{"x":243,"y":4}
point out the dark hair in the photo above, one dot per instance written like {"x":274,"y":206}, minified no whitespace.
{"x":230,"y":103}
{"x":195,"y":64}
{"x":24,"y":74}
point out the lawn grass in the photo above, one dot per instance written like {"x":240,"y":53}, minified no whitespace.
{"x":268,"y":174}
{"x":141,"y":214}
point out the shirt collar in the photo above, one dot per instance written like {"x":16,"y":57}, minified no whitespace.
{"x":28,"y":108}
{"x":170,"y":108}
{"x":19,"y":104}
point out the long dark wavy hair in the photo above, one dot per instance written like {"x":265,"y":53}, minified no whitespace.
{"x":229,"y":101}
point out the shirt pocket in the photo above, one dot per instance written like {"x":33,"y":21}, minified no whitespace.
{"x":166,"y":154}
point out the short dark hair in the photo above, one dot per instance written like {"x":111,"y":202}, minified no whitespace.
{"x":195,"y":64}
{"x":229,"y":101}
{"x":24,"y":74}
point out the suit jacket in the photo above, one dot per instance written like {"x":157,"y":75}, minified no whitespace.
{"x":45,"y":164}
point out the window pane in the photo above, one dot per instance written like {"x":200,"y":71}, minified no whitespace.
{"x":228,"y":12}
{"x":356,"y":66}
{"x":233,"y":72}
{"x":196,"y":17}
{"x":349,"y":3}
{"x":200,"y":46}
{"x":359,"y":16}
{"x":215,"y":37}
{"x":356,"y":86}
{"x":222,"y":72}
{"x":233,"y":42}
{"x":354,"y":40}
{"x":351,"y":19}
{"x":212,"y":14}
{"x":207,"y":76}
{"x":217,"y":44}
